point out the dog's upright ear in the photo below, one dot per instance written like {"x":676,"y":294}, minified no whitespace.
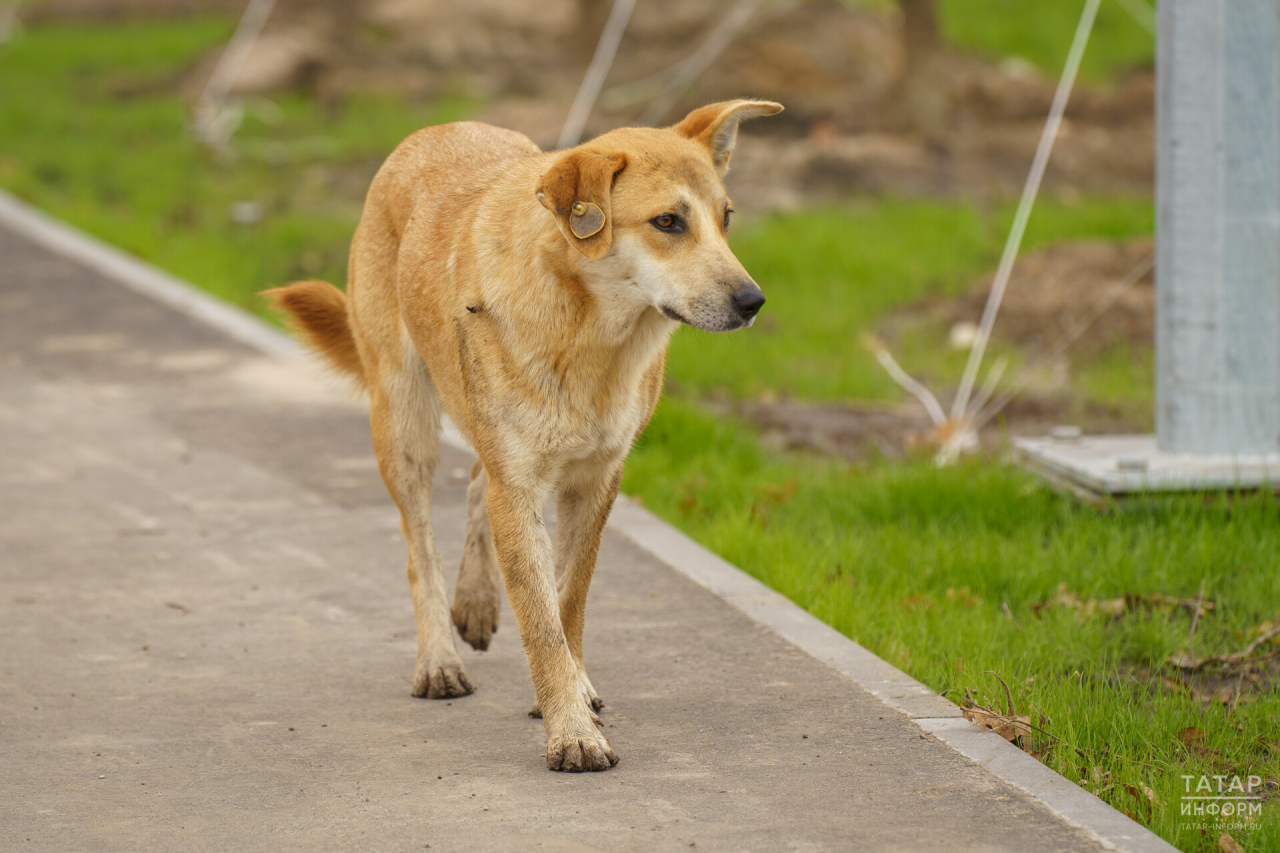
{"x":577,"y":189}
{"x":716,"y":126}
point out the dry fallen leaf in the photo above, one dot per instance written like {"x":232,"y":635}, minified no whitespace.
{"x":1064,"y":597}
{"x":963,"y":596}
{"x":1193,"y":738}
{"x":780,"y":493}
{"x":1227,"y":844}
{"x":1146,"y":800}
{"x":1191,"y":735}
{"x":1009,"y":728}
{"x":1095,"y":779}
{"x":1015,"y":728}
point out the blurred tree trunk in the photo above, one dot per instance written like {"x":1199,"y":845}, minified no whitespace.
{"x":920,"y":26}
{"x":925,"y":89}
{"x":591,"y":18}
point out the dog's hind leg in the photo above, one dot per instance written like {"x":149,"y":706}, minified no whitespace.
{"x":477,"y":598}
{"x":405,"y":415}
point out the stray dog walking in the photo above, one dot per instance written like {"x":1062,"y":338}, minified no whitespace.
{"x":530,"y":296}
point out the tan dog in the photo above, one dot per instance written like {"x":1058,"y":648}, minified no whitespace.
{"x":531,"y":295}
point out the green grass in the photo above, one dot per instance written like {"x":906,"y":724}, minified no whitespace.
{"x":831,"y":275}
{"x":1121,"y":379}
{"x":917,"y":564}
{"x":90,"y":129}
{"x":1040,"y":31}
{"x":914,"y":562}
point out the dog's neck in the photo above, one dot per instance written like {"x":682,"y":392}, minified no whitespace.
{"x":594,"y":334}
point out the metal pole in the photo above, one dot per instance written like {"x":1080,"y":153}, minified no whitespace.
{"x":960,"y":406}
{"x":699,"y":61}
{"x":1218,"y":227}
{"x":209,"y":122}
{"x":601,"y":62}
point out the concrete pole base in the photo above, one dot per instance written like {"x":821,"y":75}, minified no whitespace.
{"x":1099,"y":466}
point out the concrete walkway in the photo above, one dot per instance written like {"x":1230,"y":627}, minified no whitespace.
{"x":207,"y":641}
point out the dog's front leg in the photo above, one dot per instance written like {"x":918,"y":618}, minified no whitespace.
{"x":583,"y":508}
{"x":528,"y":572}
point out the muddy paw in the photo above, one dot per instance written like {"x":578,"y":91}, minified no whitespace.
{"x":574,"y":754}
{"x":475,"y":614}
{"x":438,"y":679}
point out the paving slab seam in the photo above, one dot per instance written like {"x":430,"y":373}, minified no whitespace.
{"x":931,"y":712}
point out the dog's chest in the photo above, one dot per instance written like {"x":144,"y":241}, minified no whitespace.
{"x":563,"y":405}
{"x":555,"y":380}
{"x":585,"y":417}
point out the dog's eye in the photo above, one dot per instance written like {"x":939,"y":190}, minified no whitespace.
{"x":669,"y":223}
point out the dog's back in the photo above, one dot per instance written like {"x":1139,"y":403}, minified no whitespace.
{"x":439,"y":167}
{"x":433,"y":173}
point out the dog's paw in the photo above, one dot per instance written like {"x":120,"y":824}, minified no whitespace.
{"x":576,"y":753}
{"x":475,"y":614}
{"x":441,"y":679}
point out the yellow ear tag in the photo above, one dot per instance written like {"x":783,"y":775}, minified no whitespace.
{"x":585,"y":219}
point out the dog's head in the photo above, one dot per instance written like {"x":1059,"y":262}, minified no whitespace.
{"x":647,"y":209}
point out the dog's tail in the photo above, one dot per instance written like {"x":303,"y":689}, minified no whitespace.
{"x":318,"y":311}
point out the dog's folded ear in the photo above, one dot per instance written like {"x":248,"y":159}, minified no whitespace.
{"x":716,"y":126}
{"x":577,"y":189}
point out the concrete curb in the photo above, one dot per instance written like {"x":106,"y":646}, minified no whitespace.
{"x":143,"y":278}
{"x":897,"y":690}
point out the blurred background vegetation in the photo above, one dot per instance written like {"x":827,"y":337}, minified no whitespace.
{"x":872,"y":212}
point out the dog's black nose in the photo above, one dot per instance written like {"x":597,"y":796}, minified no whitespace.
{"x":747,"y":300}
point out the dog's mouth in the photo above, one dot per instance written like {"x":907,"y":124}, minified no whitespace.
{"x":729,"y":325}
{"x":672,"y":314}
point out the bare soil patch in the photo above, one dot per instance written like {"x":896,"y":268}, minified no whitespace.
{"x":1053,"y":290}
{"x":855,"y":431}
{"x":863,"y":430}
